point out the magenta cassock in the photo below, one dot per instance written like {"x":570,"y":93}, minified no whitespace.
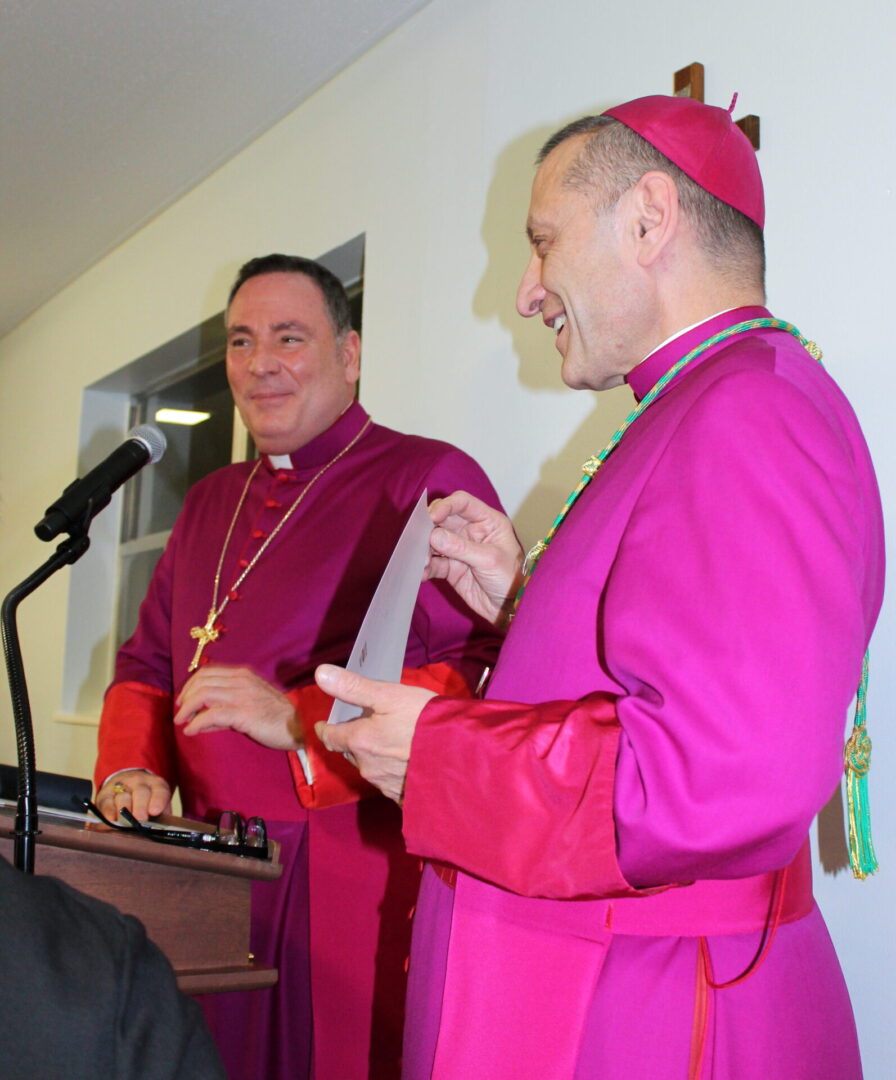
{"x":685,"y":655}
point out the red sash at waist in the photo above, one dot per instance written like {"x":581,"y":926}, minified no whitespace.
{"x":701,"y":909}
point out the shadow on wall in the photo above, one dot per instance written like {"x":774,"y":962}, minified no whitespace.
{"x":833,"y":848}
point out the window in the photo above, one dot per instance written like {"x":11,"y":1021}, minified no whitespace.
{"x":153,"y":500}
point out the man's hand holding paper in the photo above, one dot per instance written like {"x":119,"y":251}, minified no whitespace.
{"x":474,"y":548}
{"x":379,"y":743}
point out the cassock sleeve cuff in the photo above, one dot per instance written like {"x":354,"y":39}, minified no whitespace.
{"x":518,"y":795}
{"x":136,"y":732}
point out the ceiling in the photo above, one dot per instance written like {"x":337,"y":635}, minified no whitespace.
{"x":110,"y":110}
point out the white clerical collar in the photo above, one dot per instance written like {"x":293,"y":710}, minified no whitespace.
{"x":284,"y":461}
{"x":685,"y":330}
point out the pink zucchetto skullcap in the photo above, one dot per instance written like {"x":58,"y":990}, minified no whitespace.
{"x":705,"y":143}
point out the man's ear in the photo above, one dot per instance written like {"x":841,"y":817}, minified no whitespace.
{"x":656,"y":214}
{"x":351,"y":356}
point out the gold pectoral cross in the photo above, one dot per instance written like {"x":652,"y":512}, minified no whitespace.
{"x":203,"y":635}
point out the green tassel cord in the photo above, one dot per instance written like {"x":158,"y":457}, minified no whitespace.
{"x":857,"y":760}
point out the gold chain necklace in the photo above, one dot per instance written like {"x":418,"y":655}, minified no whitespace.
{"x":205,"y":634}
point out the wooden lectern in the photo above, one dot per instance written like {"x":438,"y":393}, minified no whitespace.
{"x":194,"y":904}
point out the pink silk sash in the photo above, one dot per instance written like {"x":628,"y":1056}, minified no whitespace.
{"x":521,"y":972}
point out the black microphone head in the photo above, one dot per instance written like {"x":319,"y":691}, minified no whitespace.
{"x":83,"y":499}
{"x":152,"y":438}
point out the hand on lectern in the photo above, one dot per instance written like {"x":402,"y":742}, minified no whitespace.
{"x":143,"y":793}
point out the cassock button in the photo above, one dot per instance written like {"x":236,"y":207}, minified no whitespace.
{"x":407,"y":964}
{"x":273,"y":504}
{"x":233,"y":595}
{"x":204,"y":659}
{"x":221,"y":628}
{"x":258,"y":534}
{"x":243,"y":563}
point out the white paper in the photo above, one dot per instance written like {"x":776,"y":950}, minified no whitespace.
{"x":380,"y":646}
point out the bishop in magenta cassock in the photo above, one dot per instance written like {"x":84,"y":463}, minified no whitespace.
{"x":337,"y":923}
{"x":620,"y":884}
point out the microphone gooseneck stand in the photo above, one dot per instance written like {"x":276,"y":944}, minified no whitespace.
{"x":72,"y":513}
{"x":26,"y":830}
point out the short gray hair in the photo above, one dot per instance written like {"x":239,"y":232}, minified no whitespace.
{"x":614,"y":158}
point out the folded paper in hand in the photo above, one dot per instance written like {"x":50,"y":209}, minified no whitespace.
{"x":382,"y":640}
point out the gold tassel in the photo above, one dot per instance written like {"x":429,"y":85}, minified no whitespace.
{"x":857,"y":760}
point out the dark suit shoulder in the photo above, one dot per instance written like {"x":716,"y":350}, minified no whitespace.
{"x":93,"y":996}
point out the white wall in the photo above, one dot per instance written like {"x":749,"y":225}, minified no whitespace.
{"x":426,"y":144}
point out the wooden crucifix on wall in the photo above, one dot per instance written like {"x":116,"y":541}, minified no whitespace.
{"x":688,"y":82}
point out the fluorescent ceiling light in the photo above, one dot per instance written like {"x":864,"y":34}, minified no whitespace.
{"x":181,"y":416}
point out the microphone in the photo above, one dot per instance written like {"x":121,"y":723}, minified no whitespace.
{"x":83,"y":499}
